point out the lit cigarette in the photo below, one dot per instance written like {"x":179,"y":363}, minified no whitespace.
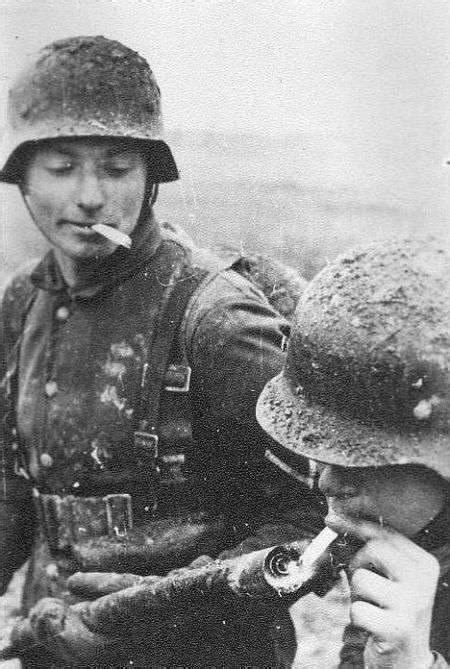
{"x":317,"y":546}
{"x":119,"y":238}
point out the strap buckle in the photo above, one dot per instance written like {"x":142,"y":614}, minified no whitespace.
{"x":146,"y":450}
{"x":119,"y":514}
{"x":178,"y":378}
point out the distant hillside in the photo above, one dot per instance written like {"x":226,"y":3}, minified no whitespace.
{"x":272,"y":194}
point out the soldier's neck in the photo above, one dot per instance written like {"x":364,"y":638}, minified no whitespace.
{"x":89,"y":272}
{"x":76,"y":273}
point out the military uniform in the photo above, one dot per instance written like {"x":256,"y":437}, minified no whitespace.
{"x":366,"y":385}
{"x":76,"y":363}
{"x":129,"y":441}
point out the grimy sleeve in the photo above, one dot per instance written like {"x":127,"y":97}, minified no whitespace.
{"x":16,"y":528}
{"x":16,"y":507}
{"x":236,"y":347}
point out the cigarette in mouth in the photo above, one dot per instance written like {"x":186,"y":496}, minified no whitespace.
{"x":119,"y":238}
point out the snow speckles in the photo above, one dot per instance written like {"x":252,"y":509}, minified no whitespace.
{"x":94,"y":453}
{"x":121,"y":350}
{"x":424,"y":408}
{"x":110,"y":396}
{"x":114,"y":368}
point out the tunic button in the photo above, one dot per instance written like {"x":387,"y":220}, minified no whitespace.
{"x":52,"y":570}
{"x":62,"y":313}
{"x":46,"y":460}
{"x":51,"y":388}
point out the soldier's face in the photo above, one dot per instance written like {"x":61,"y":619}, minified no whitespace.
{"x":405,"y":497}
{"x":69,"y":185}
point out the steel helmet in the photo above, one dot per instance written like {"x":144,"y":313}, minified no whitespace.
{"x":367,"y":375}
{"x":81,"y":87}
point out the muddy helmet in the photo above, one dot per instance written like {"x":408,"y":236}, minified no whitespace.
{"x":84,"y":87}
{"x":366,"y":380}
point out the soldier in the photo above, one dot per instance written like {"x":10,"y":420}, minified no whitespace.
{"x":130,"y":374}
{"x":365,"y":392}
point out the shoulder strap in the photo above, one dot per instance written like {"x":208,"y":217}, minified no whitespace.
{"x":165,"y":383}
{"x":171,"y":316}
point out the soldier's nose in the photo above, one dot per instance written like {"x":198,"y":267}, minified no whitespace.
{"x":90,"y":197}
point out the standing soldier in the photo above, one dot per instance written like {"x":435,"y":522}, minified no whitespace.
{"x":130,"y":374}
{"x":365,"y":391}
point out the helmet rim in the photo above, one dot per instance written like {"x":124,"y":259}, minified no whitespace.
{"x":86,"y":86}
{"x":11,"y":173}
{"x":318,"y":432}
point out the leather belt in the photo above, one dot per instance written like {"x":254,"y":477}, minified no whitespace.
{"x":69,"y":520}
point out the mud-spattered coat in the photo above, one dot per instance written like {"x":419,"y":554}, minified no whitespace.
{"x":74,"y":363}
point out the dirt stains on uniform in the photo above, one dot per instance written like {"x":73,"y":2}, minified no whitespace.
{"x":110,"y":396}
{"x":118,"y":359}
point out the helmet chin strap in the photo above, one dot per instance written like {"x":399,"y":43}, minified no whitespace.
{"x":25,"y":199}
{"x":153,"y":196}
{"x":150,"y":197}
{"x":145,"y":215}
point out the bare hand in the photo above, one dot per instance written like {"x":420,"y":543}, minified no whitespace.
{"x":393,"y":584}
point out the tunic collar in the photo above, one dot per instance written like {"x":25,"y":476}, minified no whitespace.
{"x":108,"y":271}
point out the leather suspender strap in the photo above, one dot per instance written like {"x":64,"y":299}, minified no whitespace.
{"x":173,"y":307}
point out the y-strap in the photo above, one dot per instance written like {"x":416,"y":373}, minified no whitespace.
{"x":146,"y":437}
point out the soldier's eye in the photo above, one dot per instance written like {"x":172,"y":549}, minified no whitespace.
{"x":117,"y":170}
{"x":60,"y":168}
{"x":119,"y":164}
{"x":58,"y":163}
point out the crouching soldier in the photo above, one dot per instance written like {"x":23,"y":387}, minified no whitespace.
{"x":365,"y":392}
{"x":131,"y":371}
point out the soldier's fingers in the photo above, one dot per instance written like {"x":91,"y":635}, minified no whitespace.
{"x":378,"y":556}
{"x":375,"y":620}
{"x":358,"y":527}
{"x":368,"y":530}
{"x":96,"y":584}
{"x":47,"y":618}
{"x":398,"y":559}
{"x":370,"y":587}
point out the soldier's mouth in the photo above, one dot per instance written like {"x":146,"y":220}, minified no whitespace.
{"x":348,"y":508}
{"x":104,"y":230}
{"x":83,"y":224}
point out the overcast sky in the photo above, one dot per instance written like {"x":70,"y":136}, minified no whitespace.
{"x":369,"y":78}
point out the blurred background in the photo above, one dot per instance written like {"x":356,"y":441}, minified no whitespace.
{"x":300,"y":128}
